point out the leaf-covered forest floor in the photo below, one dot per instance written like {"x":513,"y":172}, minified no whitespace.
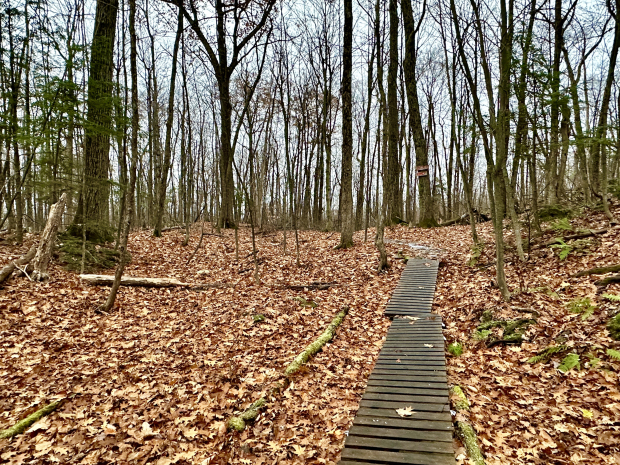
{"x":155,"y":380}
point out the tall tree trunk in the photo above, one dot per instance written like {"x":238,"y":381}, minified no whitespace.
{"x":163,"y":180}
{"x":599,"y":148}
{"x":392,"y":184}
{"x":93,"y":202}
{"x":346,"y":188}
{"x":135,"y":127}
{"x":426,"y":215}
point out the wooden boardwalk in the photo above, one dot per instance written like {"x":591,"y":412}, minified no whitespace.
{"x":410,"y":373}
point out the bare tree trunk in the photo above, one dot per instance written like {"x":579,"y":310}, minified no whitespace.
{"x":346,"y":192}
{"x":135,"y":127}
{"x":162,"y":182}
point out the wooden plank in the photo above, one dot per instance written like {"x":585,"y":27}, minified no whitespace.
{"x":405,"y":378}
{"x":422,"y":369}
{"x":412,"y":435}
{"x":408,"y":391}
{"x":433,"y":363}
{"x":399,"y":445}
{"x":407,"y":383}
{"x":422,"y":407}
{"x":406,"y":423}
{"x":410,"y":458}
{"x":390,"y":397}
{"x":391,"y":413}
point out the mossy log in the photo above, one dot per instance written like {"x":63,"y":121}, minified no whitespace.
{"x":459,"y":400}
{"x":313,"y":348}
{"x":465,"y":431}
{"x":238,"y":422}
{"x":7,"y":270}
{"x":601,"y":270}
{"x":24,"y":424}
{"x":107,"y":280}
{"x":468,"y":436}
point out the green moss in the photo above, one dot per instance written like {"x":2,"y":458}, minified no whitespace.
{"x":487,"y":316}
{"x":456,"y":349}
{"x":306,"y":303}
{"x":258,"y":318}
{"x":95,"y":233}
{"x":551,"y":212}
{"x":97,"y":256}
{"x":476,"y":252}
{"x":24,"y":424}
{"x":512,"y":334}
{"x":313,"y":348}
{"x":238,"y":422}
{"x":613,"y":326}
{"x":428,"y":223}
{"x":468,"y":436}
{"x":459,"y":400}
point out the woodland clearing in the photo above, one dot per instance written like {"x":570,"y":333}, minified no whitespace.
{"x":157,"y":378}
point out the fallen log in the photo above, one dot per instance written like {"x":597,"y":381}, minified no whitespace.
{"x":107,"y":280}
{"x":571,"y":237}
{"x":42,"y":258}
{"x":7,"y":270}
{"x":316,"y":285}
{"x":611,"y":279}
{"x":24,"y":424}
{"x":317,"y":345}
{"x":602,"y":270}
{"x":238,"y":422}
{"x":465,"y":431}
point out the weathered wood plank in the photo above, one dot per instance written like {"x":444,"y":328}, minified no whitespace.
{"x":409,"y":391}
{"x":412,"y":435}
{"x":398,"y":445}
{"x":415,"y":406}
{"x":391,"y":413}
{"x":410,"y":458}
{"x":406,"y":423}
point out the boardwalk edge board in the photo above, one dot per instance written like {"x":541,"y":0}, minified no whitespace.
{"x":404,"y":415}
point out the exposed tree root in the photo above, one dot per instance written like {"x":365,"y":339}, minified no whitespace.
{"x":513,"y":330}
{"x":24,"y":424}
{"x":317,"y":345}
{"x":589,"y":233}
{"x":611,"y":279}
{"x":315,"y":286}
{"x":602,"y":270}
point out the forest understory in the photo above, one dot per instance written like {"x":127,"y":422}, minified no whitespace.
{"x":156,"y":379}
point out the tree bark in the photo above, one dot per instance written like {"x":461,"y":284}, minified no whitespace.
{"x":346,"y":192}
{"x":108,"y":280}
{"x":7,"y":270}
{"x":427,"y":215}
{"x":93,"y":201}
{"x":162,"y":182}
{"x":42,"y":258}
